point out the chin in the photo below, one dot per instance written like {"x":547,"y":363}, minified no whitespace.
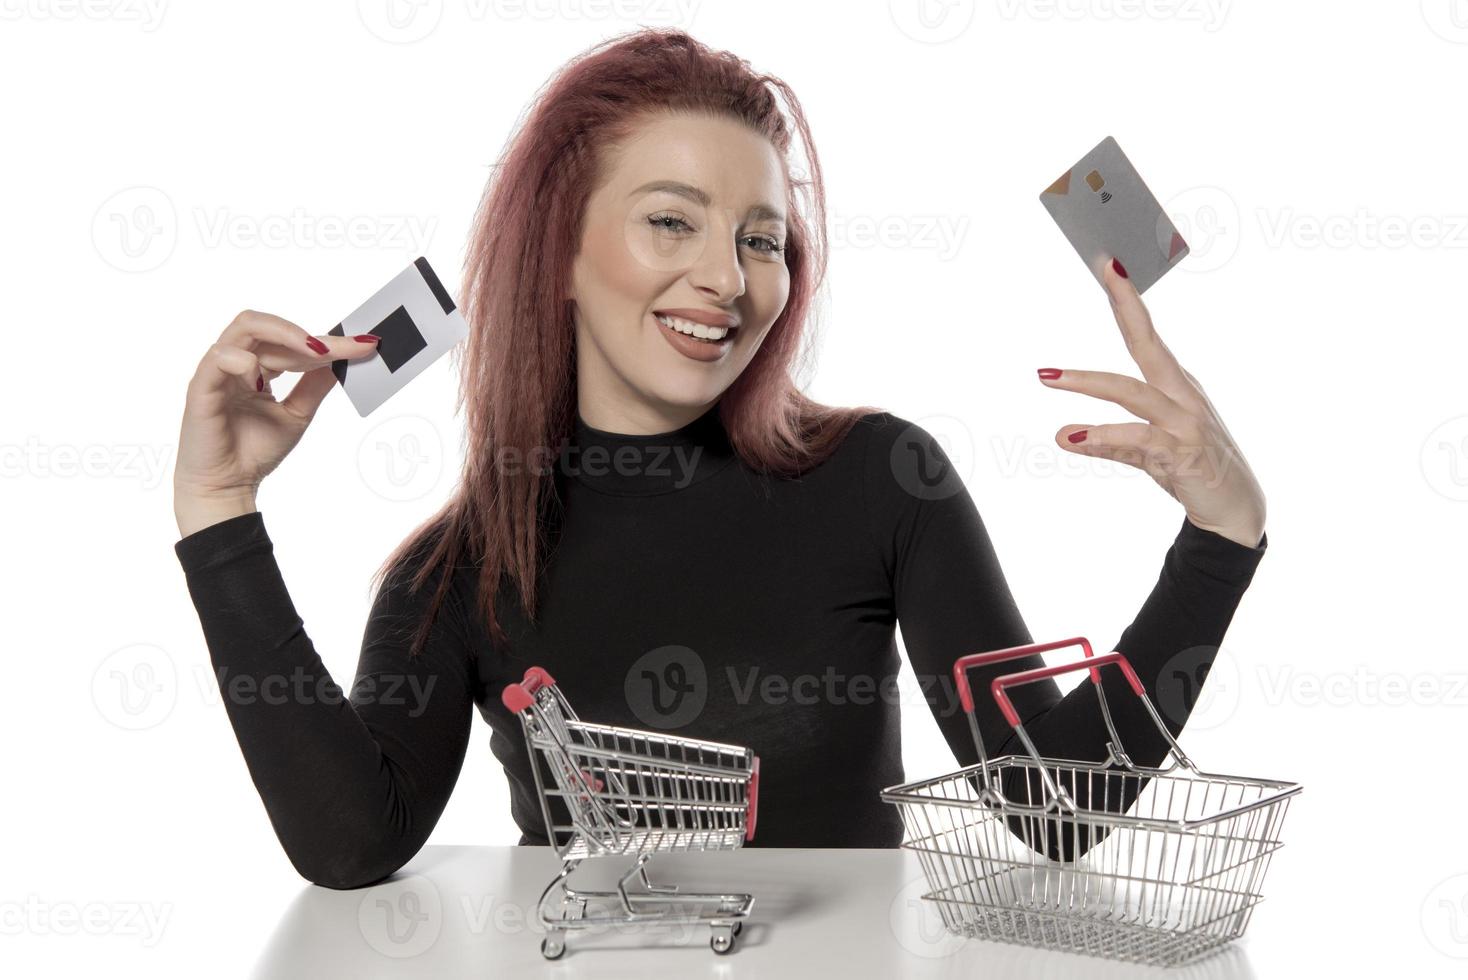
{"x":691,"y":392}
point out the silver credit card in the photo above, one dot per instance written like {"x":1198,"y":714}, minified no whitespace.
{"x":1106,"y":211}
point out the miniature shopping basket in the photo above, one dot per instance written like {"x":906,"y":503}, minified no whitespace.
{"x":630,"y":792}
{"x":1156,"y":866}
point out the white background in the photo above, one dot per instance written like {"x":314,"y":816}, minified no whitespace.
{"x":166,"y":166}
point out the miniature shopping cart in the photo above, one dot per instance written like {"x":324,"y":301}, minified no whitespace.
{"x":1155,"y":866}
{"x":630,"y":792}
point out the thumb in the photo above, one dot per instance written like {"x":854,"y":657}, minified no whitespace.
{"x":308,"y":394}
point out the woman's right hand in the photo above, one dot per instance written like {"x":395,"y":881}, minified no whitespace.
{"x":234,"y":432}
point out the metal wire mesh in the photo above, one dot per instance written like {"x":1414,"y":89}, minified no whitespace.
{"x":1173,"y":877}
{"x":627,"y":790}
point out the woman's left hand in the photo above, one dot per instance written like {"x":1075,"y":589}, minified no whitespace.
{"x":1183,"y":445}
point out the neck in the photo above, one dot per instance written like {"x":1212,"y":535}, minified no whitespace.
{"x":639,"y":418}
{"x":645,"y":463}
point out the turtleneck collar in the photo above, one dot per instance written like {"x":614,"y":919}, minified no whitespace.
{"x":642,"y":465}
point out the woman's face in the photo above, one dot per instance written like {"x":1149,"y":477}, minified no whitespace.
{"x":685,"y":231}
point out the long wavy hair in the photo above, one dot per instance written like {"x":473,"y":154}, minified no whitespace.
{"x":518,"y":364}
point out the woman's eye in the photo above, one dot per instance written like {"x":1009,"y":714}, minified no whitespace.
{"x":667,"y":222}
{"x":766,"y":244}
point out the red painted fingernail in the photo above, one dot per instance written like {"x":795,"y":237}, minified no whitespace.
{"x":1049,"y":374}
{"x":259,"y":382}
{"x":316,"y":345}
{"x":367,"y":338}
{"x":1120,"y":269}
{"x":1077,"y":436}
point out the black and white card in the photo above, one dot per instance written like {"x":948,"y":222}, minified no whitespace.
{"x":418,"y":323}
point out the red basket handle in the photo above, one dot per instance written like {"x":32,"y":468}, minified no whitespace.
{"x":1040,"y":673}
{"x":518,"y":697}
{"x":752,"y":811}
{"x":963,"y":664}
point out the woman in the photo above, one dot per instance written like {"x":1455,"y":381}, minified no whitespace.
{"x":651,"y":510}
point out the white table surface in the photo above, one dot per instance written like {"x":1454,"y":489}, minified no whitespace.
{"x":470,"y":912}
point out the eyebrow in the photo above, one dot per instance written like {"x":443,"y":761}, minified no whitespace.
{"x":757,"y":212}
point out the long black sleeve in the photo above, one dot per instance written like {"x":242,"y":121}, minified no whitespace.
{"x":353,"y":787}
{"x":952,"y":599}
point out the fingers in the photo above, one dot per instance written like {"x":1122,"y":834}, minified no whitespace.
{"x":225,"y":367}
{"x":309,"y":392}
{"x":1134,"y":443}
{"x":1142,"y":341}
{"x":1141,"y":399}
{"x":273,"y":345}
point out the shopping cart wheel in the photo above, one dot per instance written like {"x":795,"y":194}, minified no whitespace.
{"x":738,"y":928}
{"x":722,"y":941}
{"x":552,"y":948}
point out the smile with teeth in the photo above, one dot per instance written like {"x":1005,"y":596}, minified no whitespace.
{"x":707,"y":334}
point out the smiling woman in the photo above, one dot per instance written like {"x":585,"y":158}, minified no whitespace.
{"x":725,"y":558}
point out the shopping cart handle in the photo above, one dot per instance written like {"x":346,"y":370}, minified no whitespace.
{"x":752,"y":813}
{"x":964,"y":664}
{"x":518,"y":697}
{"x":1040,"y":673}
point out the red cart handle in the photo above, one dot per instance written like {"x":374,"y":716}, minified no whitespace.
{"x":1040,"y":673}
{"x":752,"y":811}
{"x":518,"y":697}
{"x":962,"y":665}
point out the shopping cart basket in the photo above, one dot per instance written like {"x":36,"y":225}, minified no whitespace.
{"x":1155,"y":865}
{"x":630,"y":792}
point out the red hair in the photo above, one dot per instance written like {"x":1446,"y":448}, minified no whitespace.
{"x":518,"y":378}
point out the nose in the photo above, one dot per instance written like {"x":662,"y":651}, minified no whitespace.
{"x":717,"y":274}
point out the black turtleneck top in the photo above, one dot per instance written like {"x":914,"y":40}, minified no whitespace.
{"x":687,"y":594}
